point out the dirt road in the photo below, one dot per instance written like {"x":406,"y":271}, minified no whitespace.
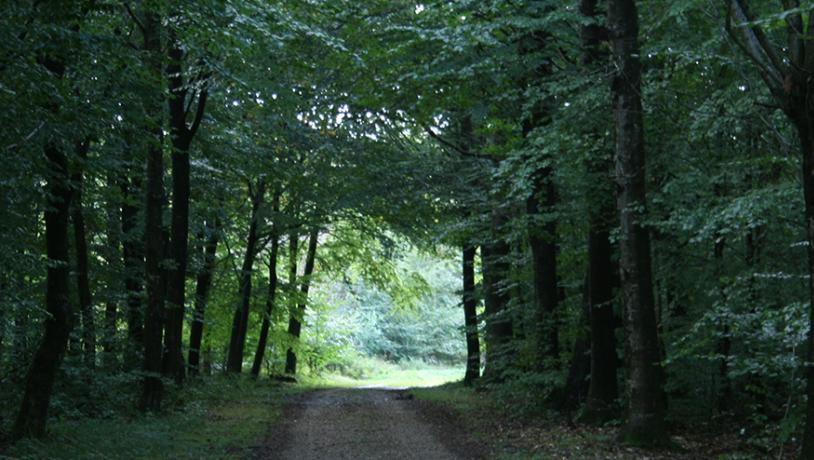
{"x":366,"y":424}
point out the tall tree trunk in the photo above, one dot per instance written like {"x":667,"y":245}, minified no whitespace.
{"x":272,"y":292}
{"x":603,"y":387}
{"x":33,"y":412}
{"x":113,"y":287}
{"x":540,"y":204}
{"x":240,"y":321}
{"x":293,"y":251}
{"x":182,"y":136}
{"x":499,"y":326}
{"x":805,"y":128}
{"x":81,"y":250}
{"x":470,"y":303}
{"x":579,"y":370}
{"x":295,"y":321}
{"x":133,"y":257}
{"x":645,"y":424}
{"x":154,"y":241}
{"x":202,"y":287}
{"x":543,"y":243}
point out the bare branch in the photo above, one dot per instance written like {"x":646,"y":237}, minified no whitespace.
{"x":456,"y":148}
{"x":199,"y":112}
{"x":134,"y":17}
{"x":760,"y":35}
{"x":751,"y":46}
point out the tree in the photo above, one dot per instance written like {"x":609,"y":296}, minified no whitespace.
{"x":240,"y":321}
{"x":271,"y":296}
{"x":82,"y":271}
{"x":182,"y":135}
{"x":298,"y":315}
{"x":785,"y":71}
{"x":33,"y":414}
{"x":470,"y":303}
{"x":203,"y":285}
{"x":645,"y":424}
{"x":602,"y":390}
{"x":154,"y":240}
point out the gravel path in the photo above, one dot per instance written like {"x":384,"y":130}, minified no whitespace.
{"x":366,"y":424}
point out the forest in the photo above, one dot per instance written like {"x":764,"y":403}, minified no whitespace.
{"x":590,"y":222}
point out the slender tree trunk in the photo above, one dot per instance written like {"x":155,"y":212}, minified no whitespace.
{"x":295,"y":321}
{"x":173,"y":361}
{"x":645,"y":424}
{"x":81,"y":250}
{"x":272,"y":292}
{"x":154,"y":242}
{"x":577,"y":382}
{"x":237,"y":342}
{"x":133,"y":257}
{"x":113,"y":287}
{"x":543,"y":243}
{"x":182,"y":136}
{"x":33,"y":412}
{"x":470,"y":303}
{"x":202,"y":287}
{"x":293,"y":251}
{"x":603,"y":388}
{"x":499,"y":326}
{"x":805,"y":129}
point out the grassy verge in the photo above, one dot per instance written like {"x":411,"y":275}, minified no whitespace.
{"x":219,"y":418}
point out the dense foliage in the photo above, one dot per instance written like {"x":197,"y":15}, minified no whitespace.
{"x":197,"y":187}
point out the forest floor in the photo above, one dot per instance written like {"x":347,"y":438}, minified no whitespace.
{"x":367,"y":423}
{"x":451,"y":422}
{"x":238,"y":418}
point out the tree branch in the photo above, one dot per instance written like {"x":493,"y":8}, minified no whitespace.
{"x":752,"y":47}
{"x":456,"y":148}
{"x":199,"y":112}
{"x":134,"y":17}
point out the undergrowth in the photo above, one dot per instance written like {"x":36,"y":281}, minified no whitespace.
{"x":219,"y":417}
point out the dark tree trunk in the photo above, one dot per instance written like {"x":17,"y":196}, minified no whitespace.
{"x":113,"y":263}
{"x":293,"y":250}
{"x":202,"y":287}
{"x":154,"y":242}
{"x":542,"y":228}
{"x":543,"y":243}
{"x":645,"y":424}
{"x":805,"y":129}
{"x":499,"y":326}
{"x":272,"y":293}
{"x":81,"y":250}
{"x":133,"y":257}
{"x":577,"y":382}
{"x":173,"y":361}
{"x":603,"y":387}
{"x":295,"y":322}
{"x":724,"y":342}
{"x":240,"y":321}
{"x":470,"y":303}
{"x":40,"y":378}
{"x":181,"y":140}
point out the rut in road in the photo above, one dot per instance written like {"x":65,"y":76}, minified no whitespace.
{"x":365,"y":424}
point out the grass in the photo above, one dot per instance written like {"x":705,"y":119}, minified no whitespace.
{"x":399,"y":378}
{"x":219,"y":418}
